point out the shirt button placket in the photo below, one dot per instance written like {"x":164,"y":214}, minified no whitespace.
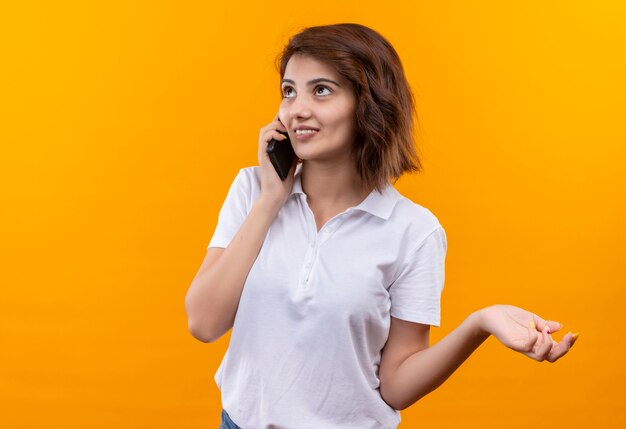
{"x":311,"y":254}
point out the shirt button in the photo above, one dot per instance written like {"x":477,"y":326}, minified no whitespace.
{"x":312,"y":244}
{"x":328,"y":230}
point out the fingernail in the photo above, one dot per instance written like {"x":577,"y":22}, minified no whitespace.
{"x":574,"y":336}
{"x":547,"y":328}
{"x":532,"y":325}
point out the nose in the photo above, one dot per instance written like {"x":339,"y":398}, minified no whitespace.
{"x":299,"y":108}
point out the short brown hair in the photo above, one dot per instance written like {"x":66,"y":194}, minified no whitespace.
{"x":384,"y":148}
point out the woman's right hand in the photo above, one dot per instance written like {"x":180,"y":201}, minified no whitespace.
{"x":273,"y":189}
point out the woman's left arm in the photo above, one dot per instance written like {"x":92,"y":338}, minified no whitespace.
{"x":424,"y":371}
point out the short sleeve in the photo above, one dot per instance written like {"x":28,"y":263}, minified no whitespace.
{"x":416,"y":292}
{"x":233,"y":212}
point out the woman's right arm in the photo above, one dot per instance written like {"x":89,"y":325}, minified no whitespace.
{"x":213,"y":297}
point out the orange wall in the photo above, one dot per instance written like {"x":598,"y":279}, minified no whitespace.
{"x":123,"y":123}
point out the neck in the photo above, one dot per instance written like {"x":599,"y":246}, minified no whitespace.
{"x":332,"y":185}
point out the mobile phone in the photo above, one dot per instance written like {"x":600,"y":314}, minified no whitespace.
{"x":281,"y":154}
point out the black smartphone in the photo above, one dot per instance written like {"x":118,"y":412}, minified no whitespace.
{"x":281,"y":154}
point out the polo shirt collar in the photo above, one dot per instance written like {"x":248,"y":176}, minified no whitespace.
{"x":376,"y":203}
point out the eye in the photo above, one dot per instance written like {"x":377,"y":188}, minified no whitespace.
{"x":285,"y":89}
{"x":323,"y":87}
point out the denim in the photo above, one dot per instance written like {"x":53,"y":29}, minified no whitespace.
{"x":227,"y":423}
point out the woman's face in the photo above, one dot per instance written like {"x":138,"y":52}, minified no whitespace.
{"x":316,"y":96}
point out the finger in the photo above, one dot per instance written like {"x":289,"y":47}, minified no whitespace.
{"x":536,"y":348}
{"x":273,"y":126}
{"x":538,"y":323}
{"x":278,"y":126}
{"x":544,"y":345}
{"x":552,"y":326}
{"x":274,"y":134}
{"x":561,"y":348}
{"x":533,"y":338}
{"x":571,"y":338}
{"x":541,"y":323}
{"x":277,"y":119}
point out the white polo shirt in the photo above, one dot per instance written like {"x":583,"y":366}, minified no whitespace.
{"x":315,"y":309}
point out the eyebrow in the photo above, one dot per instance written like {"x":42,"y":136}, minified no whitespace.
{"x":311,"y":82}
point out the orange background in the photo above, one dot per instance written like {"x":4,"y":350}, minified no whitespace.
{"x":122,"y":125}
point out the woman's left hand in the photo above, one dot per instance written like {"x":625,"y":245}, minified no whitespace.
{"x":525,"y":332}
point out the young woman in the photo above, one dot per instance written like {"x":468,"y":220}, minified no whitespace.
{"x":331,"y":279}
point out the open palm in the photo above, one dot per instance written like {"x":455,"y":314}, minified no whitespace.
{"x":525,"y":332}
